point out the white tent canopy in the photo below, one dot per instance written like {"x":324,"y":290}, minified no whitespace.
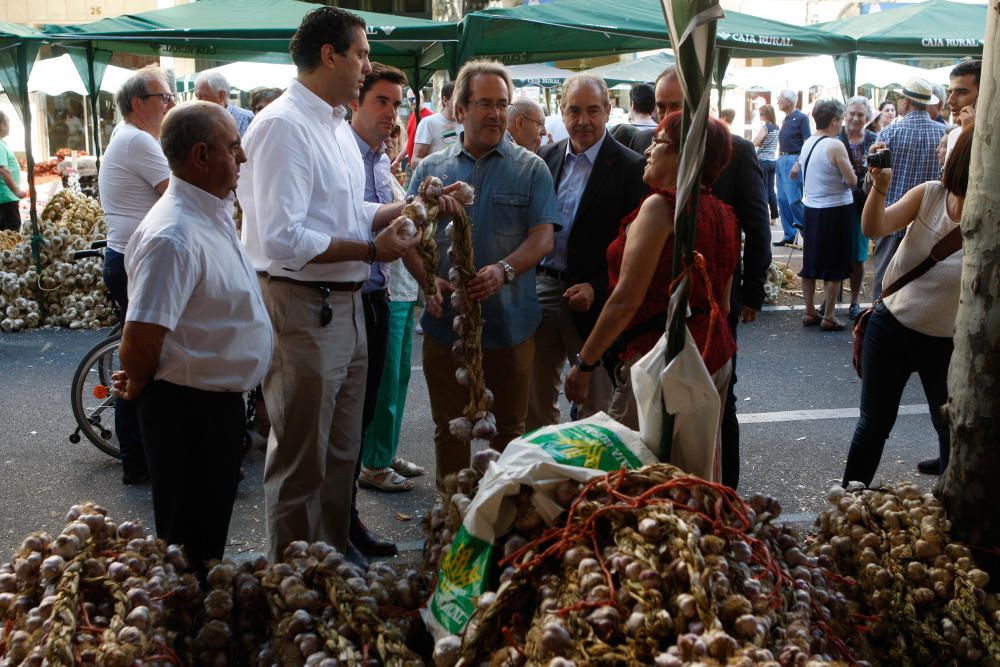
{"x":55,"y":76}
{"x":820,"y":71}
{"x":247,"y":76}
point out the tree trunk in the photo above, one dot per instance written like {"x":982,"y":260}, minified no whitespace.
{"x":970,"y":487}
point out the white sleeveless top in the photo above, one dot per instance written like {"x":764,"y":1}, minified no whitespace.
{"x":929,"y":303}
{"x":824,"y":185}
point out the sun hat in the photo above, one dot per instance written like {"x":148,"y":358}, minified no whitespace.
{"x":921,"y":91}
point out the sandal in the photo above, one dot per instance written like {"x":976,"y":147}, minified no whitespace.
{"x":384,"y":479}
{"x":407,"y":468}
{"x":811,"y":320}
{"x":832,"y":324}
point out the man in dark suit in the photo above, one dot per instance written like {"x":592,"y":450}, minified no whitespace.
{"x":598,"y":182}
{"x":741,"y":185}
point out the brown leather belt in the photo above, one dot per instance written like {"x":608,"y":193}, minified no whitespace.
{"x":552,"y":273}
{"x":332,"y":286}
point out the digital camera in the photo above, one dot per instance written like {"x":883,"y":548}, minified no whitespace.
{"x":881,"y":159}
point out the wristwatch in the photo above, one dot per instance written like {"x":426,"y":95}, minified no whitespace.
{"x":508,"y":271}
{"x":584,"y":366}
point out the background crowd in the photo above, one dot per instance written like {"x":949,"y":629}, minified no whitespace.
{"x":314,"y":300}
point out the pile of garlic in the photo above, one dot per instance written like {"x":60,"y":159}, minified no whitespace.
{"x":923,"y":599}
{"x":653,"y":567}
{"x":779,"y":277}
{"x":65,"y":292}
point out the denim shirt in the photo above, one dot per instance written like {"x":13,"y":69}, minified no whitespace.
{"x":514,"y":194}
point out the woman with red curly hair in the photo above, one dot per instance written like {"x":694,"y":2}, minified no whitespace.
{"x":639,"y":267}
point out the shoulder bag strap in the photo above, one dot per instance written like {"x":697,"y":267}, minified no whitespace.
{"x":806,"y":162}
{"x":947,"y":246}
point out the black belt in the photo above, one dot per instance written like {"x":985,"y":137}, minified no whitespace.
{"x":552,"y":273}
{"x":788,"y":153}
{"x":332,"y":286}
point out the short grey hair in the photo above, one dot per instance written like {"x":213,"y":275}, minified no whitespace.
{"x":863,"y":101}
{"x":790,"y":95}
{"x":578,"y":80}
{"x":474,"y":68}
{"x":215,"y":81}
{"x":523,"y":106}
{"x":825,"y":111}
{"x":188,"y":124}
{"x":137,"y":85}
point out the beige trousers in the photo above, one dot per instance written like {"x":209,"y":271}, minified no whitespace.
{"x":314,"y":391}
{"x":507,"y":371}
{"x":557,"y":341}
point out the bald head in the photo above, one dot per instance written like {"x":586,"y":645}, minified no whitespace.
{"x":202,"y":146}
{"x":526,"y":123}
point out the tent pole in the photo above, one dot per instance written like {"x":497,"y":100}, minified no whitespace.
{"x":94,"y":103}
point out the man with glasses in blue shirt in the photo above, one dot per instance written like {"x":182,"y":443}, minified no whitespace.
{"x":134,"y":173}
{"x":514,"y":218}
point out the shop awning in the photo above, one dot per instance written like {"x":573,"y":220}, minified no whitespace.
{"x":638,"y":70}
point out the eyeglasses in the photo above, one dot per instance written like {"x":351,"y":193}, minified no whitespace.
{"x":486,"y":105}
{"x":168,"y":98}
{"x":539,"y":123}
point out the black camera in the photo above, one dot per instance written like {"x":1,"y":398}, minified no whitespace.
{"x":881,"y":159}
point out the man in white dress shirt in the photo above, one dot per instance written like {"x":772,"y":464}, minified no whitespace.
{"x":196,"y":335}
{"x":308,"y":231}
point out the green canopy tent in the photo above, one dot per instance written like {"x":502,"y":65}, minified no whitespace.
{"x":933,"y":29}
{"x":254,"y":30}
{"x":542,"y":76}
{"x":18,"y":47}
{"x":639,"y":70}
{"x":582,"y":28}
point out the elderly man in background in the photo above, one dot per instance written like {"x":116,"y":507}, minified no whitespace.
{"x":211,"y":86}
{"x":134,"y":173}
{"x":913,"y":140}
{"x":793,"y":133}
{"x":526,"y":123}
{"x":197,"y":334}
{"x":514,"y":213}
{"x":598,"y":182}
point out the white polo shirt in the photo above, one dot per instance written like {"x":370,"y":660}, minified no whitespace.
{"x":303,"y":184}
{"x":188,"y":272}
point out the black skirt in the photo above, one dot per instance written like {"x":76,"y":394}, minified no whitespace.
{"x":826,"y":234}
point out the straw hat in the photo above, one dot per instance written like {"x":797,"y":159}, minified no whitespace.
{"x":920,"y":91}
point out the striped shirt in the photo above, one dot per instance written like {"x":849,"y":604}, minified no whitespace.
{"x":913,"y":140}
{"x":765,"y":152}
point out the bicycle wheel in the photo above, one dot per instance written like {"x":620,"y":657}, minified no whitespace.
{"x":93,"y":404}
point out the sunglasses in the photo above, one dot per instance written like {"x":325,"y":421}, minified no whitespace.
{"x":325,"y":310}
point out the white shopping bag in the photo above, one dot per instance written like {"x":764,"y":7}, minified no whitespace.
{"x":685,"y":390}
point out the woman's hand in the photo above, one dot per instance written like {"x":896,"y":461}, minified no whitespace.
{"x":577,"y":385}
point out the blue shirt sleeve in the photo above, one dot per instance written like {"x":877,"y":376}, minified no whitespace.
{"x":804,"y":125}
{"x":543,"y":208}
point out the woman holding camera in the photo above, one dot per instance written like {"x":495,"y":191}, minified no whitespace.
{"x":827,"y":180}
{"x":911,"y":329}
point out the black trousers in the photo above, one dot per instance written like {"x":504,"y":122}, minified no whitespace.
{"x":730,"y":425}
{"x":10,"y":216}
{"x":376,"y":307}
{"x":194,"y":444}
{"x":126,"y":419}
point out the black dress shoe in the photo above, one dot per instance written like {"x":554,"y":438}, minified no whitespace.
{"x":356,"y":557}
{"x":783,"y":242}
{"x":930,"y":467}
{"x":369,"y":543}
{"x":130,"y":478}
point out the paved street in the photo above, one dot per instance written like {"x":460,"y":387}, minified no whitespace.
{"x":798,"y":401}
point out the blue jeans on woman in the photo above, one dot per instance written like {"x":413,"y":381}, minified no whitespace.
{"x":891,"y":354}
{"x":126,"y":412}
{"x":769,"y":167}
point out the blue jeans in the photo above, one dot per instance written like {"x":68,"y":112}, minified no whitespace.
{"x":126,"y":412}
{"x":789,"y":197}
{"x":769,"y":167}
{"x":892,"y":353}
